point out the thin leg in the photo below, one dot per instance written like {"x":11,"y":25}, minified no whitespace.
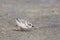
{"x":17,"y":28}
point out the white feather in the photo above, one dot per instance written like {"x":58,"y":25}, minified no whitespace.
{"x":23,"y":24}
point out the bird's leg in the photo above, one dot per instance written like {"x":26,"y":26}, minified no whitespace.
{"x":17,"y":28}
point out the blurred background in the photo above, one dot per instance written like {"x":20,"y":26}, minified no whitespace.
{"x":44,"y":14}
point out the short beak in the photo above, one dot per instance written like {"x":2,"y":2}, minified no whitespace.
{"x":32,"y":26}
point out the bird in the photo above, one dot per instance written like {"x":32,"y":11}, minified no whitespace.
{"x":23,"y":24}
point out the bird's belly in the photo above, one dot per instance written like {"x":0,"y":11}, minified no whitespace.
{"x":23,"y":26}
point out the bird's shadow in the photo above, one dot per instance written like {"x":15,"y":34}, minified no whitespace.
{"x":21,"y":30}
{"x":15,"y":30}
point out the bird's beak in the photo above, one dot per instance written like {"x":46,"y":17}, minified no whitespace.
{"x":32,"y":26}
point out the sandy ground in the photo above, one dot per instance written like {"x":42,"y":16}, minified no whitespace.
{"x":44,"y":14}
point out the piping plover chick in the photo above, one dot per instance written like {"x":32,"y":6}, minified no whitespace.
{"x":23,"y":24}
